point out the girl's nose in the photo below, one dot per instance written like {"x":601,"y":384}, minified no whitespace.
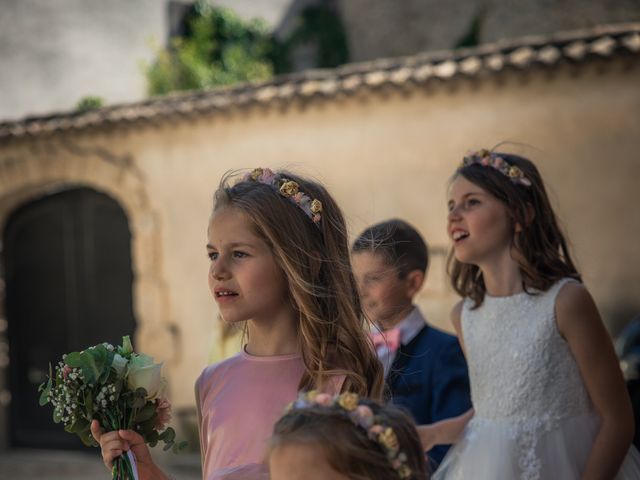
{"x":218,"y":270}
{"x":454,"y":214}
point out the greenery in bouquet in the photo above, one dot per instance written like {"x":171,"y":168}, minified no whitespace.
{"x":118,"y":387}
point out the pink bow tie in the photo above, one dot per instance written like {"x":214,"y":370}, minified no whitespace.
{"x":389,"y":338}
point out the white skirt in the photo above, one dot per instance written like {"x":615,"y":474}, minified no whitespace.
{"x":528,"y":450}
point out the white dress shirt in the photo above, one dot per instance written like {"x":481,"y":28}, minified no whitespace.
{"x":409,"y":328}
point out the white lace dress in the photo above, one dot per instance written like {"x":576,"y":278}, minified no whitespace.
{"x":533,"y":416}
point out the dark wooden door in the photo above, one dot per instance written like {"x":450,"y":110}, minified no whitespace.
{"x":68,"y":286}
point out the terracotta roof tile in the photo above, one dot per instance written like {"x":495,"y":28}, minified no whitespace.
{"x":549,"y":54}
{"x":632,"y":42}
{"x":525,"y":53}
{"x":400,"y":76}
{"x":495,"y":62}
{"x":471,"y":66}
{"x":576,"y":50}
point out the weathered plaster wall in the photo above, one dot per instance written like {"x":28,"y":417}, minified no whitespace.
{"x":382,"y":154}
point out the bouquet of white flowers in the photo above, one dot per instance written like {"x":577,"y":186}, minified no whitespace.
{"x":119,"y":388}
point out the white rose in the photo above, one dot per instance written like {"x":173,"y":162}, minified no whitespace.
{"x":143,"y":373}
{"x":119,"y":364}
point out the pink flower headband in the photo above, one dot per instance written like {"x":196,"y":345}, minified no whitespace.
{"x":362,"y":416}
{"x":489,"y":159}
{"x":288,"y":189}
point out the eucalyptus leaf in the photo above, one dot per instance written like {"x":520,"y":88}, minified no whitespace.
{"x":148,"y":411}
{"x":80,"y":425}
{"x":152,"y":438}
{"x":137,"y":402}
{"x":106,"y":366}
{"x":178,"y":447}
{"x":148,"y":429}
{"x":168,"y":435}
{"x":44,"y":396}
{"x":88,"y":401}
{"x":87,"y":438}
{"x":141,"y":392}
{"x":90,"y":361}
{"x":73,"y":359}
{"x":94,"y":363}
{"x":46,"y":390}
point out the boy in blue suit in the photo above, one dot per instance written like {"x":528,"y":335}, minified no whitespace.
{"x":425,"y":369}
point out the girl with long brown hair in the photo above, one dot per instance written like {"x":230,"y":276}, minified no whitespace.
{"x":548,"y":396}
{"x":279,"y":261}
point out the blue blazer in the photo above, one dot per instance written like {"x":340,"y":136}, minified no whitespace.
{"x":429,"y":378}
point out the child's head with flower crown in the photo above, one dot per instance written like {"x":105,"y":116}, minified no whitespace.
{"x":345,"y":437}
{"x":280,"y":259}
{"x":522,"y":223}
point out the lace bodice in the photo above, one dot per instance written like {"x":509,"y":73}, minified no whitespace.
{"x":520,"y":367}
{"x":533,"y":416}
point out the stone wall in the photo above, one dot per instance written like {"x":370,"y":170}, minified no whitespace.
{"x":55,"y":53}
{"x":389,"y":28}
{"x":383,"y":153}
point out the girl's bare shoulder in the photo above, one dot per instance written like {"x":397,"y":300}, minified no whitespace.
{"x":575,"y":307}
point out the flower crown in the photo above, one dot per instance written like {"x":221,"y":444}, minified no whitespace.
{"x":288,"y":189}
{"x":489,"y":159}
{"x":362,"y":416}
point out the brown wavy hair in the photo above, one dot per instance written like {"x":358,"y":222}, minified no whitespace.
{"x":315,"y":260}
{"x":540,"y":248}
{"x":347,"y":447}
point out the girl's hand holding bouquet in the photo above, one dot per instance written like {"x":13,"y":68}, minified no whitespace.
{"x":117,"y":391}
{"x":116,"y":443}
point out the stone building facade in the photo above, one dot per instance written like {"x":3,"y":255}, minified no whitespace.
{"x":387,"y":28}
{"x":55,"y":53}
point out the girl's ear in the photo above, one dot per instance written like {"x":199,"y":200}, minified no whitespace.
{"x":529,"y":216}
{"x":415,"y":279}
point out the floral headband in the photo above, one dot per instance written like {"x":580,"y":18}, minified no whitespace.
{"x":362,"y":416}
{"x":489,"y":159}
{"x":288,"y":189}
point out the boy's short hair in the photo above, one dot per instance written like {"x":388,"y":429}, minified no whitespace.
{"x":401,"y":245}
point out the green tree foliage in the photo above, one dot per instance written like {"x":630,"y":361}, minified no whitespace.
{"x":473,"y":34}
{"x":219,"y":48}
{"x":89,"y":102}
{"x":320,"y":26}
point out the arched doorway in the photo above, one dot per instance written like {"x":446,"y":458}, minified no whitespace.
{"x":68,"y":276}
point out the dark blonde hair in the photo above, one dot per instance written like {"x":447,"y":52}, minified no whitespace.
{"x":540,"y":249}
{"x":347,"y":447}
{"x":322,"y":289}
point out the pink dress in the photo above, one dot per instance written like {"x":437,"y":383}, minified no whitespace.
{"x":240,"y":400}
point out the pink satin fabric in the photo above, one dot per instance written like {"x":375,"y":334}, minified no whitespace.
{"x":240,"y":399}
